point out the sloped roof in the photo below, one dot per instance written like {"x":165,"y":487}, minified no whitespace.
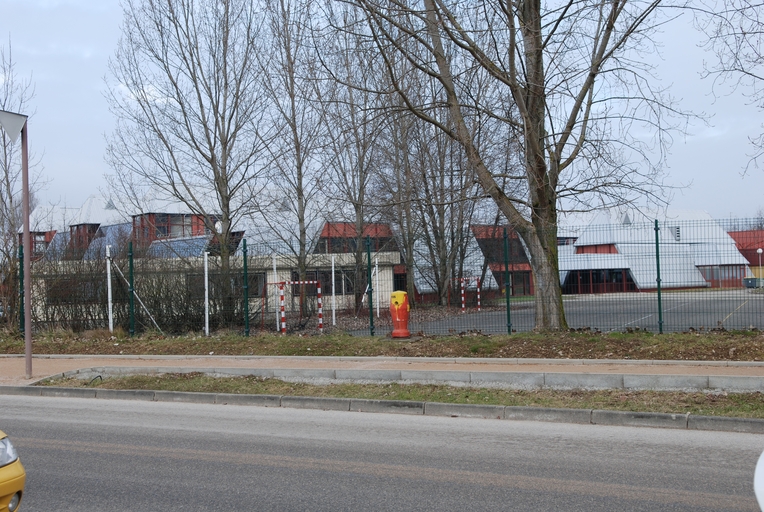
{"x":191,"y":247}
{"x":751,"y":239}
{"x":114,"y":236}
{"x":347,"y":230}
{"x":57,"y":246}
{"x":490,"y":231}
{"x":678,"y":268}
{"x":569,"y":260}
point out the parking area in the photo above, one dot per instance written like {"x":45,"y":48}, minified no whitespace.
{"x":738,"y":309}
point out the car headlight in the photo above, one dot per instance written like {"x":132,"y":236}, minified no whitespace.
{"x":7,"y":452}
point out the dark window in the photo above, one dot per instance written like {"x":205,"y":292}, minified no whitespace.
{"x":400,"y":282}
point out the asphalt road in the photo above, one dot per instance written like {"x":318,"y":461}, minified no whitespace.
{"x":101,"y":455}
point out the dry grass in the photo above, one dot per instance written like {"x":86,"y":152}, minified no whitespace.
{"x":742,"y":405}
{"x":702,"y":346}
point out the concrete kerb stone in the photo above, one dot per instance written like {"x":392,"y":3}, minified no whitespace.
{"x":67,"y":392}
{"x":303,"y":374}
{"x":392,"y":406}
{"x":125,"y":394}
{"x":745,"y":425}
{"x":639,"y":419}
{"x":736,"y":383}
{"x":253,"y":400}
{"x":263,"y":373}
{"x":464,"y":410}
{"x":547,"y":414}
{"x":665,"y":382}
{"x":513,"y":380}
{"x":435,"y":376}
{"x":181,"y":396}
{"x":368,"y":375}
{"x":21,"y":390}
{"x":321,"y":403}
{"x":583,"y":380}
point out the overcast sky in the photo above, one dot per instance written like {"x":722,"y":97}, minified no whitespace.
{"x":65,"y":46}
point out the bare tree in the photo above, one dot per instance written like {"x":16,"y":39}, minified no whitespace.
{"x":188,"y":102}
{"x":289,"y":68}
{"x":735,"y":34}
{"x":397,"y":188}
{"x":352,"y":128}
{"x":568,"y":83}
{"x":16,"y":93}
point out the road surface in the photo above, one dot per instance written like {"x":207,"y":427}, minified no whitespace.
{"x":102,"y":455}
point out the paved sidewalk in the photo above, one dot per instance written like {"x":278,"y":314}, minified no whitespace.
{"x":12,"y":367}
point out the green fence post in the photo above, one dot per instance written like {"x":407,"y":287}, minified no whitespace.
{"x":507,"y":285}
{"x":21,"y":289}
{"x":246,"y":291}
{"x":131,"y":290}
{"x":368,"y":287}
{"x":658,"y":277}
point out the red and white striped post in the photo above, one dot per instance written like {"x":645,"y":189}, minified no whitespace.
{"x":320,"y":308}
{"x":464,"y":292}
{"x":464,"y":298}
{"x":281,"y":302}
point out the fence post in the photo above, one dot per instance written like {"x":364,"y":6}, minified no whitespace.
{"x":334,"y":299}
{"x":108,"y":289}
{"x":658,"y":277}
{"x":507,"y":286}
{"x":21,"y":289}
{"x":376,"y":281}
{"x":131,"y":290}
{"x":368,"y":287}
{"x":276,"y":295}
{"x":206,"y":294}
{"x":281,"y":308}
{"x":246,"y":290}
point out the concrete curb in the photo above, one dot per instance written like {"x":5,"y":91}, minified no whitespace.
{"x":504,"y":380}
{"x":580,"y":416}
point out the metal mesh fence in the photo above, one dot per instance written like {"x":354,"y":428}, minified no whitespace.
{"x":671,"y":275}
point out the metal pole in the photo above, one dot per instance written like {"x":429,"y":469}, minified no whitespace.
{"x":131,"y":286}
{"x":246,"y":290}
{"x":369,"y":288}
{"x":27,"y":251}
{"x":507,"y":286}
{"x":21,"y":289}
{"x":206,"y":295}
{"x":376,"y":282}
{"x":658,"y":277}
{"x":334,"y":298}
{"x":108,"y":288}
{"x":276,"y":295}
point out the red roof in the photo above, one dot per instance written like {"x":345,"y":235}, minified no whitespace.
{"x":490,"y":231}
{"x":513,"y":267}
{"x":748,"y":242}
{"x":752,"y":239}
{"x":347,"y":230}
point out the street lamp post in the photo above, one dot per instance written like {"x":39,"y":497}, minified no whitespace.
{"x":14,"y":124}
{"x":758,"y":277}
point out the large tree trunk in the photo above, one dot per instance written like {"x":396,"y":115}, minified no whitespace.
{"x":540,"y":234}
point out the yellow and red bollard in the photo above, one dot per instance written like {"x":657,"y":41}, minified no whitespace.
{"x":399,"y":311}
